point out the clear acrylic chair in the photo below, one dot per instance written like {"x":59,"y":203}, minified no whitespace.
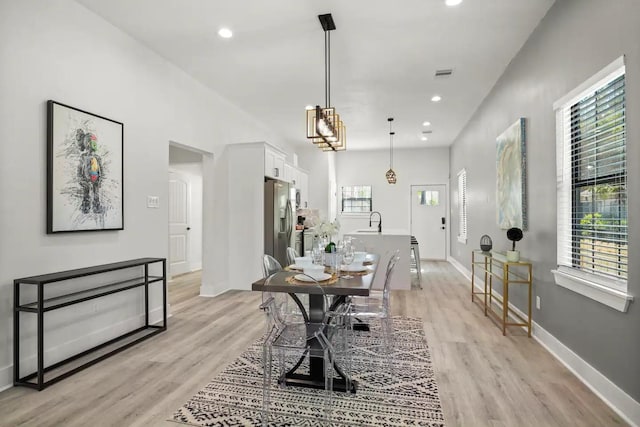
{"x":358,"y":245}
{"x":376,"y":306}
{"x":291,"y":255}
{"x":293,"y":339}
{"x":270,"y":265}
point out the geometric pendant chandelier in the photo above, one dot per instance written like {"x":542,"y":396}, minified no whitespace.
{"x":324,"y":126}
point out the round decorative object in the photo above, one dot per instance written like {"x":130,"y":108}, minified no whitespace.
{"x":485,"y":243}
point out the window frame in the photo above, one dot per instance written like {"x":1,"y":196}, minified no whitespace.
{"x":362,"y":212}
{"x":599,"y":287}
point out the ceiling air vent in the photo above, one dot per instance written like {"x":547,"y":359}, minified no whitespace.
{"x":424,"y":132}
{"x":445,"y":72}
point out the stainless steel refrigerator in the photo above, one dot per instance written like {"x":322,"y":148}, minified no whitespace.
{"x":278,"y":219}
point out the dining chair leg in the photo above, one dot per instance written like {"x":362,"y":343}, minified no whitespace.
{"x":387,"y":333}
{"x":266,"y":383}
{"x":347,"y":352}
{"x":282,"y":368}
{"x":329,"y":353}
{"x":329,"y":361}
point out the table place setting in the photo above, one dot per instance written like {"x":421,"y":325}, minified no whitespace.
{"x":300,"y":263}
{"x":356,"y":269}
{"x":343,"y":262}
{"x":301,"y":279}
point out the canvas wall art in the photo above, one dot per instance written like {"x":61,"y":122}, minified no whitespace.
{"x":84,"y":171}
{"x":511,"y":195}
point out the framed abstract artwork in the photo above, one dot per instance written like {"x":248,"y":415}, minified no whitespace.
{"x":511,"y":185}
{"x":84,"y":171}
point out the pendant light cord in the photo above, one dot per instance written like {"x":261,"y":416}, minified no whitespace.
{"x":390,"y":119}
{"x":391,"y":149}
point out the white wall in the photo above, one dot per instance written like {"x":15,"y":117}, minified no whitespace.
{"x":59,"y":50}
{"x":317,"y":163}
{"x":413,"y":167}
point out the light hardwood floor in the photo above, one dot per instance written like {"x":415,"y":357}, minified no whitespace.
{"x":484,"y":379}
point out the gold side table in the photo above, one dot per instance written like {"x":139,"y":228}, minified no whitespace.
{"x":507,"y":273}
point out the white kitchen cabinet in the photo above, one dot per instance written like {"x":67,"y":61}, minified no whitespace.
{"x":290,"y":174}
{"x":273,"y":163}
{"x":302,"y":184}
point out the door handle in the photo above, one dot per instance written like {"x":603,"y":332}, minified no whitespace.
{"x":188,"y":228}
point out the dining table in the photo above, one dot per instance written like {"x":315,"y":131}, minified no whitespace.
{"x":359,"y":284}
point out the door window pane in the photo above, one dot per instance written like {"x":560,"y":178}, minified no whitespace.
{"x":428,"y":198}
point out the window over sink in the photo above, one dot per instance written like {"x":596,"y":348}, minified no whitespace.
{"x":356,"y":199}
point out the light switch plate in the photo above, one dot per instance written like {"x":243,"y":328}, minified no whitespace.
{"x":153,"y":202}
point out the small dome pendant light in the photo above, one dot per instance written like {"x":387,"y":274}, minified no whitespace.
{"x":391,"y":175}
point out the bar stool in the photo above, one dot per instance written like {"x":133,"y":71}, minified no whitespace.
{"x":415,"y":259}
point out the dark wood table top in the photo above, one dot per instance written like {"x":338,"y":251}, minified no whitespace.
{"x":358,"y":285}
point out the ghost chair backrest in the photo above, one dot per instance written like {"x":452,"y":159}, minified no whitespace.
{"x":291,"y":255}
{"x":270,"y":265}
{"x":393,"y":260}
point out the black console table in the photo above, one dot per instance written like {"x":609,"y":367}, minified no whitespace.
{"x":41,"y":305}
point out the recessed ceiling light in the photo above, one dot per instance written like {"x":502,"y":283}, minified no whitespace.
{"x":426,"y":123}
{"x":309,"y":107}
{"x":436,"y":98}
{"x":424,"y":138}
{"x":225,"y":33}
{"x":452,"y":2}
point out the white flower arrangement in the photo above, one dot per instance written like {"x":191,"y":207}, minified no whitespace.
{"x":327,"y":229}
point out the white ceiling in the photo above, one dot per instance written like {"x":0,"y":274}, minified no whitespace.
{"x":383,"y":57}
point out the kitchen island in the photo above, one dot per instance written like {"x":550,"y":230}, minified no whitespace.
{"x":380,"y":243}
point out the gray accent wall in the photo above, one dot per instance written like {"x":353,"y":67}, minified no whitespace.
{"x":575,"y":40}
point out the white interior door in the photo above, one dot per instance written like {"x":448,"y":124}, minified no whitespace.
{"x":428,"y":216}
{"x":179,"y":204}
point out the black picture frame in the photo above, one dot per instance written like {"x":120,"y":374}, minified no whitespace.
{"x":85,"y":171}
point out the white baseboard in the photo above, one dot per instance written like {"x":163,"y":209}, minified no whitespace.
{"x":6,"y":377}
{"x":461,"y":268}
{"x":619,"y":401}
{"x":211,"y":290}
{"x":61,"y":351}
{"x":213,"y":295}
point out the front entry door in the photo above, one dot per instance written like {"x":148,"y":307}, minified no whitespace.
{"x":179,"y":189}
{"x":428,"y":216}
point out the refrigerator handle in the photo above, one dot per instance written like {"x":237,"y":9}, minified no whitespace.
{"x":288,"y":219}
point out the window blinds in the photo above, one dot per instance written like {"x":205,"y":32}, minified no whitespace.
{"x":462,"y":205}
{"x":356,"y":199}
{"x":592,"y":184}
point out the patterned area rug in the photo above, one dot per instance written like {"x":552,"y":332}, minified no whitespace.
{"x":408,"y":397}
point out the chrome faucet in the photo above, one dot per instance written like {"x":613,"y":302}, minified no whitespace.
{"x":379,"y":222}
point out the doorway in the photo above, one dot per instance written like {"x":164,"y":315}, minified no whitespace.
{"x":429,"y":219}
{"x":185,"y":210}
